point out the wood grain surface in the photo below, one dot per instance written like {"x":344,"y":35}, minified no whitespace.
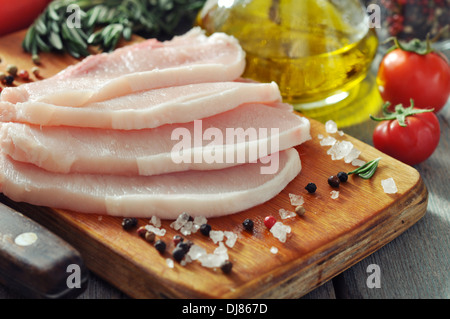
{"x":333,"y":235}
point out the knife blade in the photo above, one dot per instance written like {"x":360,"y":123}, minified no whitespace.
{"x":35,"y":262}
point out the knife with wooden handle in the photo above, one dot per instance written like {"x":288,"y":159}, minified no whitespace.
{"x":35,"y":262}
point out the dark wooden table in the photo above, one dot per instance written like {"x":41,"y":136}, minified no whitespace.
{"x":414,"y":265}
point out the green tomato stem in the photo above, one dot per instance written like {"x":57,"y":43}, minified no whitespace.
{"x":400,"y":114}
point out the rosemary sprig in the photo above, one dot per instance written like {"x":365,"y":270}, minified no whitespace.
{"x":103,"y":23}
{"x":367,"y":170}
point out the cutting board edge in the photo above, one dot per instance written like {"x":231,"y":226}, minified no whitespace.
{"x":306,"y":273}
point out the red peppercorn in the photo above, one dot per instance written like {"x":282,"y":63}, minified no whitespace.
{"x":23,"y":74}
{"x":141,"y":231}
{"x":269,"y":221}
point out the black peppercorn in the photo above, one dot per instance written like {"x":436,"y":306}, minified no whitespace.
{"x":185,"y":245}
{"x":333,"y":181}
{"x":205,"y":229}
{"x":178,"y":253}
{"x":342,"y":176}
{"x":248,"y":224}
{"x":128,"y":223}
{"x":226,"y":266}
{"x":9,"y":79}
{"x":311,"y":187}
{"x":160,"y":246}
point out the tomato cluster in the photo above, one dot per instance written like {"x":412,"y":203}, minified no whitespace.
{"x":411,"y":73}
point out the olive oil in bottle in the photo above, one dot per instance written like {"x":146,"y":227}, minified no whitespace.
{"x":313,"y":49}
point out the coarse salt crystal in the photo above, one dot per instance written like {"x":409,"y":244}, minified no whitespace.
{"x":340,"y":149}
{"x":180,"y":221}
{"x":358,"y":162}
{"x":328,"y":141}
{"x":215,"y":259}
{"x":186,"y":228}
{"x":320,"y":136}
{"x":169,"y":262}
{"x":279,"y":231}
{"x":231,"y":238}
{"x":216,"y":236}
{"x":157,"y":231}
{"x":334,"y":194}
{"x":331,"y":126}
{"x":273,"y":250}
{"x":296,"y":200}
{"x":212,"y":260}
{"x":221,"y":250}
{"x":389,"y":186}
{"x":198,"y":222}
{"x":284,"y":214}
{"x":341,"y":133}
{"x":156,"y":221}
{"x":195,"y":252}
{"x":352,"y":155}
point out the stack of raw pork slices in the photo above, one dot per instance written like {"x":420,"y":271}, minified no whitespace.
{"x":151,"y":129}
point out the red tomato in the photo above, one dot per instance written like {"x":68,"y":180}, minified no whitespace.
{"x":411,"y":144}
{"x":19,"y":14}
{"x":405,"y":75}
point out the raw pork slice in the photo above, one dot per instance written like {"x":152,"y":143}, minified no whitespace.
{"x":199,"y":193}
{"x":254,"y":131}
{"x":146,"y":109}
{"x":190,"y":58}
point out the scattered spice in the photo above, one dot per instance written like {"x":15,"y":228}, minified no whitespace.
{"x":269,"y":221}
{"x":205,"y":229}
{"x":185,"y":245}
{"x":36,"y":59}
{"x":311,"y":188}
{"x":300,"y":210}
{"x":24,"y":75}
{"x":178,"y":253}
{"x":9,"y":79}
{"x":343,"y":176}
{"x":149,"y":236}
{"x":334,"y":181}
{"x":36,"y":71}
{"x":11,"y":69}
{"x":226,"y":266}
{"x":128,"y":223}
{"x":248,"y":224}
{"x":160,"y":246}
{"x":141,"y":231}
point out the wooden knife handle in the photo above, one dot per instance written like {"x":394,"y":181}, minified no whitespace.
{"x":35,"y":262}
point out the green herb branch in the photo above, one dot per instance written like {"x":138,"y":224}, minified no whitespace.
{"x":367,"y":170}
{"x":102,"y":23}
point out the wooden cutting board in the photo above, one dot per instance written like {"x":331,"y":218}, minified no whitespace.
{"x":333,"y":235}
